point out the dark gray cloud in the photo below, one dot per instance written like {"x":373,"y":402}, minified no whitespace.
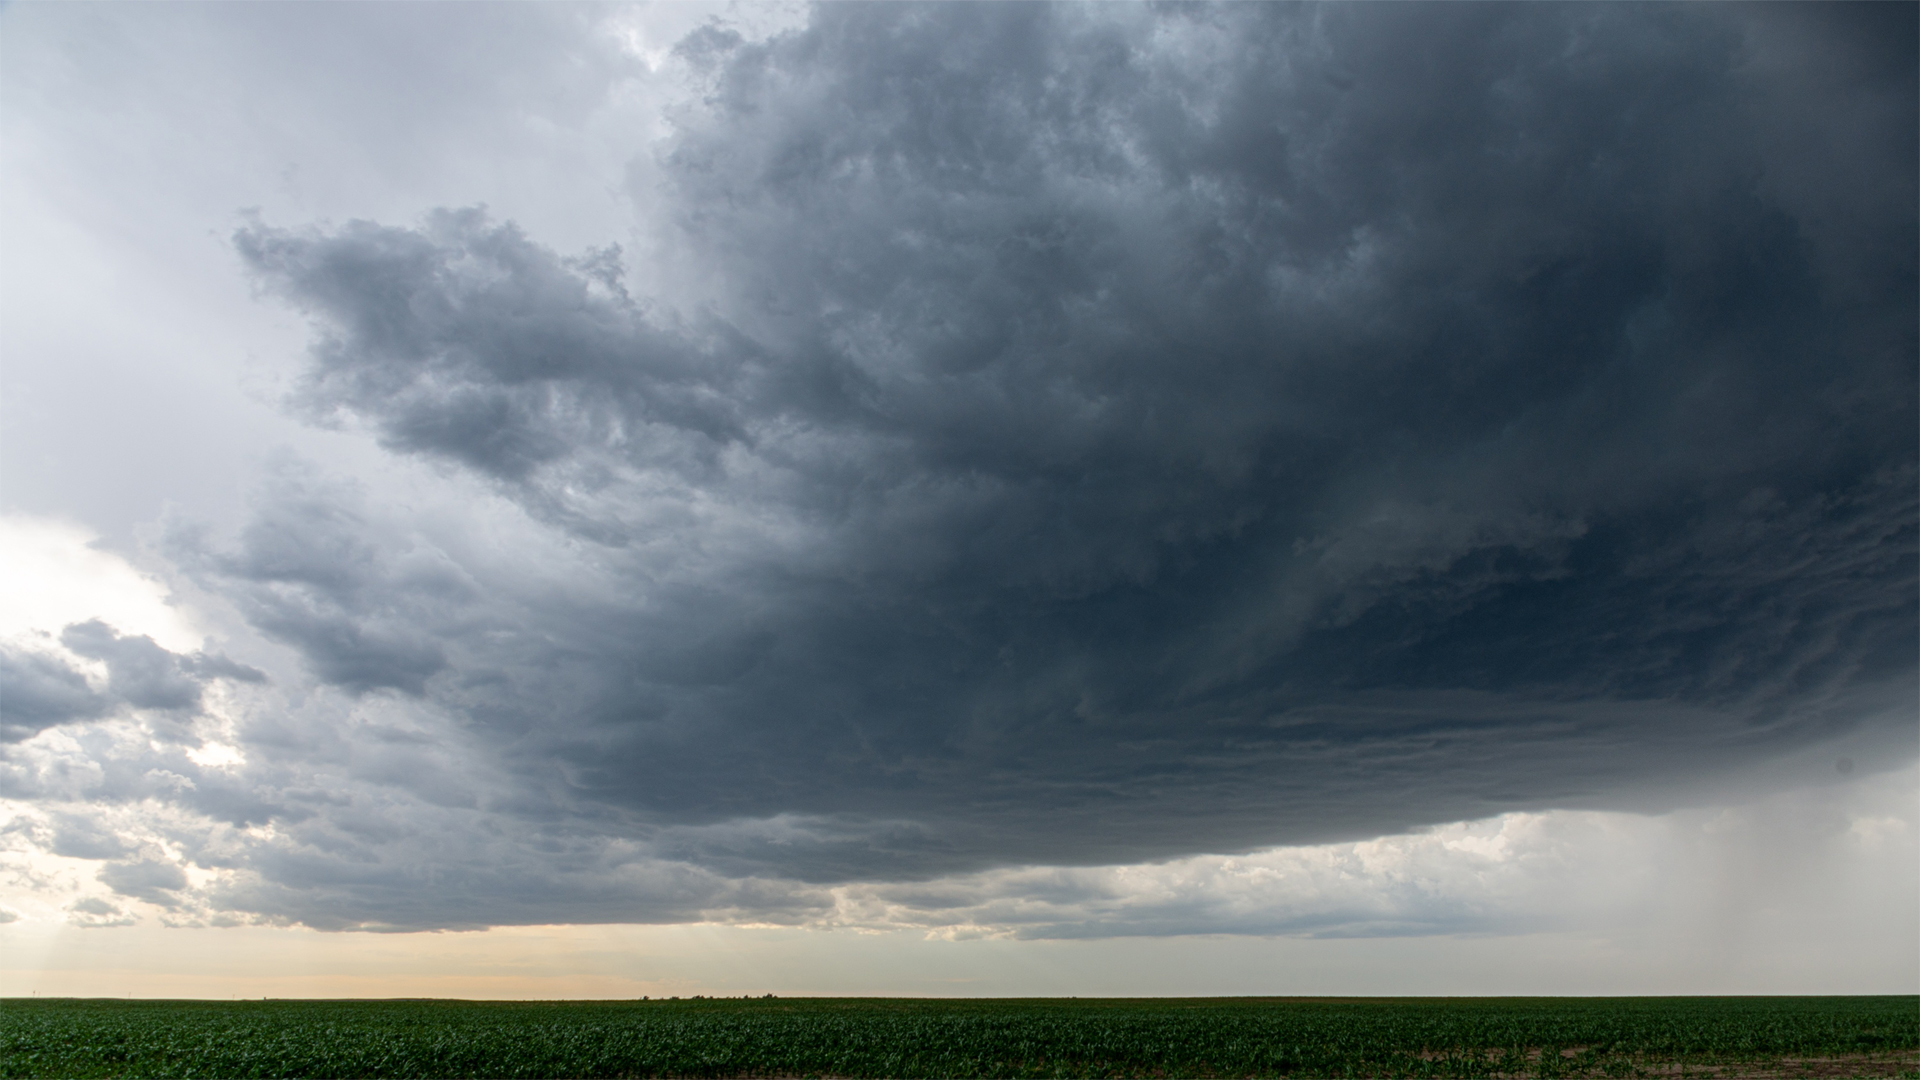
{"x":307,"y":576}
{"x":140,"y":672}
{"x":1101,"y":434}
{"x":39,"y":690}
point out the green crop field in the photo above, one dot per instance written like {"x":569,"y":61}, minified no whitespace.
{"x":1451,"y":1037}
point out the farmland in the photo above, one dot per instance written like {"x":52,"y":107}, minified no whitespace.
{"x":1440,"y":1037}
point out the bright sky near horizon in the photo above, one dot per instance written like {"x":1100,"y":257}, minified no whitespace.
{"x":522,"y":501}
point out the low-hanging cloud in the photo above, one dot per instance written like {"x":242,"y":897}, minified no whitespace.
{"x":1090,"y":435}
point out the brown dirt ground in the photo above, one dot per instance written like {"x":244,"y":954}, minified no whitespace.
{"x":1897,"y":1064}
{"x":1844,"y":1065}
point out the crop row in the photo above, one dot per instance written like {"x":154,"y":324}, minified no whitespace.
{"x":837,"y":1037}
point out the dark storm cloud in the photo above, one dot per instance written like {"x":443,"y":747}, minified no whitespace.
{"x":1118,"y":433}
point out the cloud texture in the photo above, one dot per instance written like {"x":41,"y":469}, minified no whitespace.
{"x":1073,"y":436}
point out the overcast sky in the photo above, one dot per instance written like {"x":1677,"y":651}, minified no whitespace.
{"x":1032,"y":499}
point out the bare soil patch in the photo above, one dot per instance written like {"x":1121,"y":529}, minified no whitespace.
{"x":1844,"y":1065}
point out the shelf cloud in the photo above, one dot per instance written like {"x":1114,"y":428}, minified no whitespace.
{"x":1073,"y":437}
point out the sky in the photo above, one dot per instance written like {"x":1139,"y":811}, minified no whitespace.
{"x":522,"y":501}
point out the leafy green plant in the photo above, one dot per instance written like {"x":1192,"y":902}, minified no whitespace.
{"x":702,"y":1037}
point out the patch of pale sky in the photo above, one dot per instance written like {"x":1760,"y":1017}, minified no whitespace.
{"x":53,"y":574}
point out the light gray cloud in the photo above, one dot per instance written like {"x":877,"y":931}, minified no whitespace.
{"x":151,"y":880}
{"x":78,"y":836}
{"x":1689,"y":876}
{"x":94,"y":913}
